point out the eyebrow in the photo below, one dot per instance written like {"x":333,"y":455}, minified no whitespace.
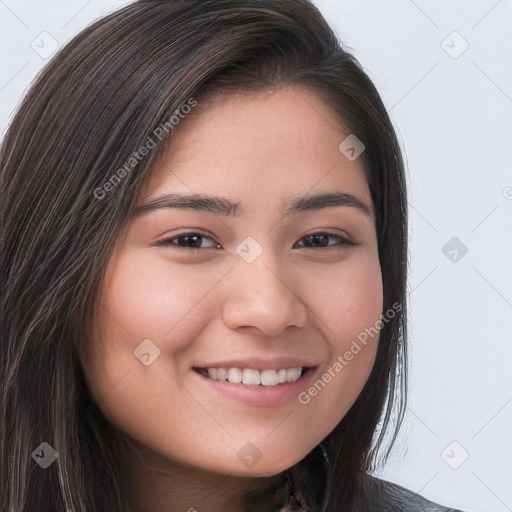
{"x":226,"y":208}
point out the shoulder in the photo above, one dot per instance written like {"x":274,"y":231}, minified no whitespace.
{"x":386,"y":496}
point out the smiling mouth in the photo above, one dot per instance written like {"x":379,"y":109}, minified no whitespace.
{"x":252,"y":377}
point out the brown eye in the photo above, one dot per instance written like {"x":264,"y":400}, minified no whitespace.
{"x":188,"y":241}
{"x":321,"y":240}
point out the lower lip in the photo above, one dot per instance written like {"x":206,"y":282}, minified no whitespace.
{"x":261,"y":396}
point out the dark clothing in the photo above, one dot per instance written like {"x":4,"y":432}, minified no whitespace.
{"x":382,"y":496}
{"x":377,"y":495}
{"x":389,"y":497}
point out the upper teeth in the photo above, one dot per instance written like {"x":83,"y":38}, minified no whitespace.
{"x":255,"y":377}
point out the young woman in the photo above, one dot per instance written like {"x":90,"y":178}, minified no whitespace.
{"x":205,"y":264}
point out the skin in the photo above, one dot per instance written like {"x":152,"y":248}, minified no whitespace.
{"x":259,"y":150}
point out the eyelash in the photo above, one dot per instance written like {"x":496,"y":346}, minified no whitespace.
{"x":168,"y":242}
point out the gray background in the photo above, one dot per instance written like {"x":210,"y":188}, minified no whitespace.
{"x":452,"y":109}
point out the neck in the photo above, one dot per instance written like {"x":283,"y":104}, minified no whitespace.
{"x":160,"y":485}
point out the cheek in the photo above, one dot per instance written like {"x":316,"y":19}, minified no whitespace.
{"x":358,"y":301}
{"x":143,"y":299}
{"x":349,"y":299}
{"x":349,"y":305}
{"x":151,"y":298}
{"x":359,"y":307}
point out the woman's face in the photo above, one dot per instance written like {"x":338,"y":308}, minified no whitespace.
{"x":249,"y":288}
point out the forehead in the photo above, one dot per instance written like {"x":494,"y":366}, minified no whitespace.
{"x":259,"y":146}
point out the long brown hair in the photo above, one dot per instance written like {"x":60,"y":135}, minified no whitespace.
{"x":93,"y":106}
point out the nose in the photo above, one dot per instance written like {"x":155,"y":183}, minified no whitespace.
{"x":261,"y":296}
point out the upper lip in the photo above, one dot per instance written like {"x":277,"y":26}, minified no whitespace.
{"x":257,"y":363}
